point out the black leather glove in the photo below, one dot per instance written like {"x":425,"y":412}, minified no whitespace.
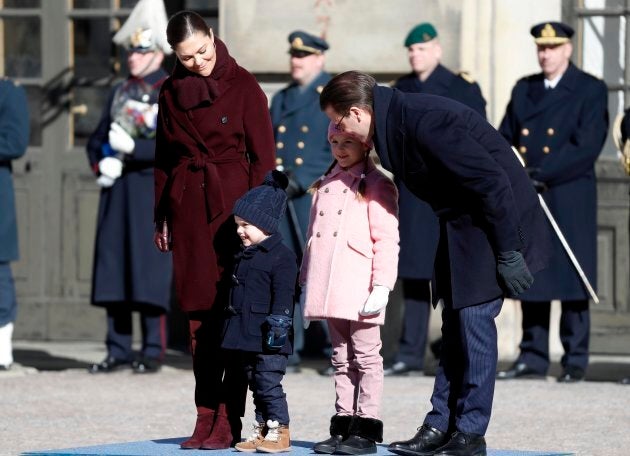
{"x":539,"y":186}
{"x":514,"y":272}
{"x":294,"y":189}
{"x":277,"y":331}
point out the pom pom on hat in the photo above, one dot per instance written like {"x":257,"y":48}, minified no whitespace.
{"x":264,"y":206}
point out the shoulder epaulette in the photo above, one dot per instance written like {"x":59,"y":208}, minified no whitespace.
{"x":466,"y":77}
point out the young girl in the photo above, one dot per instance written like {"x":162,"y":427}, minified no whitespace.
{"x":349,"y":268}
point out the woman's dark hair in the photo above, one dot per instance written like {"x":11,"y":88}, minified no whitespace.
{"x":183,"y":25}
{"x":352,"y":88}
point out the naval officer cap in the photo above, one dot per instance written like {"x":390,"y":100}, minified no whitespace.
{"x":551,"y":33}
{"x":145,"y":28}
{"x":421,"y":33}
{"x":303,"y":44}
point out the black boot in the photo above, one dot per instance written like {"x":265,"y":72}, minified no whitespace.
{"x":364,"y":433}
{"x":339,"y":427}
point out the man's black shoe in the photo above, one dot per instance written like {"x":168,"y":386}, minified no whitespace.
{"x":519,"y":370}
{"x":424,"y":443}
{"x":571,"y":374}
{"x":327,"y":371}
{"x":109,"y":364}
{"x":400,"y":368}
{"x":147,"y":365}
{"x":463,"y":444}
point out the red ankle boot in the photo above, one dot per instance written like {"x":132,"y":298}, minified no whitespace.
{"x":221,"y":436}
{"x":202,"y":431}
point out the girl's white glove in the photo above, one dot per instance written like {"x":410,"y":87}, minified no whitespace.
{"x":376,"y":302}
{"x":120,"y":140}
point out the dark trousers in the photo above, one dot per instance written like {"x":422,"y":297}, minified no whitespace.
{"x":575,"y":327}
{"x":119,"y":331}
{"x":218,"y":381}
{"x":464,"y":383}
{"x":8,"y":303}
{"x":264,"y":376}
{"x":413,"y":340}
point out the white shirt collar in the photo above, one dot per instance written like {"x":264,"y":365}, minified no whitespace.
{"x":552,"y":83}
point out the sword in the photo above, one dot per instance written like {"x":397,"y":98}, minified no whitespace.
{"x":295,"y":223}
{"x":562,"y":239}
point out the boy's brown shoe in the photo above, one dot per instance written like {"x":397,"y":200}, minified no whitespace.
{"x":277,"y":439}
{"x":259,"y":430}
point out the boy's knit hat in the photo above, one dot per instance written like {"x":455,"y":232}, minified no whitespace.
{"x":264,"y":206}
{"x":333,"y":130}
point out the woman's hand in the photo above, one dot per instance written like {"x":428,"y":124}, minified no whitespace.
{"x":161,"y":237}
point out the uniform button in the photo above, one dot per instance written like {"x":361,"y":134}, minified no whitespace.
{"x":339,"y":212}
{"x":546,"y":149}
{"x":551,"y":131}
{"x":299,"y":161}
{"x":525,"y":131}
{"x":278,"y":160}
{"x":321,"y":212}
{"x":326,"y":190}
{"x":318,"y":234}
{"x":345,"y":190}
{"x":335,"y":234}
{"x":300,"y":144}
{"x":279,"y":145}
{"x":304,"y":128}
{"x":286,"y":311}
{"x":522,"y":149}
{"x":203,"y":185}
{"x":282,"y":129}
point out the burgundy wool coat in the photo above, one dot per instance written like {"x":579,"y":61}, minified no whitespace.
{"x":214,"y":142}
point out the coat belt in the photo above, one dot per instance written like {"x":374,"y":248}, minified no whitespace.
{"x":215,"y":204}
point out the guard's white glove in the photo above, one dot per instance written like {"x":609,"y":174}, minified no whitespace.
{"x":376,"y":301}
{"x":105,"y":181}
{"x":120,"y":140}
{"x":111,"y":167}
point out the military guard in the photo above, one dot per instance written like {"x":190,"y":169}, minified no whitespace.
{"x":14,"y":131}
{"x":419,"y":230}
{"x":558,"y":122}
{"x":129,"y":273}
{"x":302,"y":148}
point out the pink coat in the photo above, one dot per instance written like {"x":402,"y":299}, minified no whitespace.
{"x":352,"y":244}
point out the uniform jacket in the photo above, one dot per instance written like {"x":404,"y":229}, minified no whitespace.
{"x":214,"y":142}
{"x":352,"y":244}
{"x":419,"y":229}
{"x":264,"y":282}
{"x":560,"y":133}
{"x":302,"y":149}
{"x":127,"y":266}
{"x":450,"y":157}
{"x":14,"y":134}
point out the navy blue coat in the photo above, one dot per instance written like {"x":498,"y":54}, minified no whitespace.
{"x":302,"y":148}
{"x":449,"y":156}
{"x":127,"y":265}
{"x":419,"y":230}
{"x":561,"y":133}
{"x":264,"y":282}
{"x":14,"y":134}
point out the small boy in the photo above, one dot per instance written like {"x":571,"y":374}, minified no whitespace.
{"x":258,"y":330}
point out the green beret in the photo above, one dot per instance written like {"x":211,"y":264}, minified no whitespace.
{"x":421,"y":33}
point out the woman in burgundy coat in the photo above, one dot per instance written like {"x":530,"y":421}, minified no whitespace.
{"x":214,"y":142}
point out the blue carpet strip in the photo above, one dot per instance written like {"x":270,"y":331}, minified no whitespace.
{"x":171,"y":447}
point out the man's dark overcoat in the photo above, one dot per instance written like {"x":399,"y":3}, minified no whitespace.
{"x":450,"y":157}
{"x":263,"y":284}
{"x":560,"y":133}
{"x":419,"y":229}
{"x":128,"y":268}
{"x":214,"y":142}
